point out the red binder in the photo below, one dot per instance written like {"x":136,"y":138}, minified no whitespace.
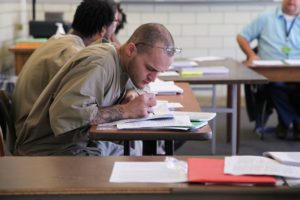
{"x":212,"y":171}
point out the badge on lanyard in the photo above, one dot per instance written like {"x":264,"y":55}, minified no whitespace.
{"x":286,"y":49}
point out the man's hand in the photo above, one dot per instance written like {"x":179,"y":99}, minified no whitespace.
{"x":140,"y":106}
{"x":129,"y":96}
{"x":249,"y":61}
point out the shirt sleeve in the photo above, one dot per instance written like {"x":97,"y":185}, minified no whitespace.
{"x":253,"y":30}
{"x":76,"y":102}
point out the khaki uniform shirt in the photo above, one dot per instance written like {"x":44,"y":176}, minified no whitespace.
{"x":59,"y":121}
{"x":40,"y":68}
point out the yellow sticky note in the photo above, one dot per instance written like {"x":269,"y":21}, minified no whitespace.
{"x":191,"y":73}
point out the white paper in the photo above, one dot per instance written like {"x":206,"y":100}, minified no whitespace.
{"x":288,"y":158}
{"x":146,"y":172}
{"x":178,"y":121}
{"x":183,"y":64}
{"x":292,"y":62}
{"x":207,"y":58}
{"x":268,"y":63}
{"x":168,"y":73}
{"x":170,"y":105}
{"x":196,"y":116}
{"x":160,"y":111}
{"x":164,"y":87}
{"x":208,"y":70}
{"x":258,"y":165}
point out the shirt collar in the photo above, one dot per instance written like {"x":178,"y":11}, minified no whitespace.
{"x":280,"y":14}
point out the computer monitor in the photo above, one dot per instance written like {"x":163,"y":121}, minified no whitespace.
{"x":45,"y":29}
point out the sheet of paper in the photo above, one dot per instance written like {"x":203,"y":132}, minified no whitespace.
{"x":268,"y":63}
{"x":179,"y":121}
{"x":259,"y":165}
{"x":207,"y":58}
{"x":183,"y":64}
{"x":164,"y":87}
{"x":288,"y":158}
{"x":196,"y":116}
{"x":160,"y":111}
{"x":146,"y":172}
{"x":292,"y":62}
{"x":206,"y":70}
{"x":168,"y":73}
{"x":170,"y":105}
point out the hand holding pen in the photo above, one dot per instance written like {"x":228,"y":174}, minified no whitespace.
{"x":140,"y":106}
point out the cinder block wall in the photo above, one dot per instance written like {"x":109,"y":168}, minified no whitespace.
{"x":201,"y":29}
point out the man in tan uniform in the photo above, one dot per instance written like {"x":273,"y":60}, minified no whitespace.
{"x":48,"y":59}
{"x":87,"y":90}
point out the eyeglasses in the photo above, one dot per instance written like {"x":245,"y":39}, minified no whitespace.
{"x":168,"y":50}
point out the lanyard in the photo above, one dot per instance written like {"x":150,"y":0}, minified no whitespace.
{"x":288,"y":30}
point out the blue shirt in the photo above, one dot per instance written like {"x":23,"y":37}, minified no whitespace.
{"x":270,"y":30}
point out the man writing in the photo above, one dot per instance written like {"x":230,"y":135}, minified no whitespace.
{"x":87,"y":91}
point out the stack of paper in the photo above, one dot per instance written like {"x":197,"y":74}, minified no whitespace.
{"x":160,"y":87}
{"x":258,"y":165}
{"x":287,"y":158}
{"x":207,"y":58}
{"x":292,"y":62}
{"x":163,"y":118}
{"x":204,"y":70}
{"x":288,"y":62}
{"x":183,"y":64}
{"x":268,"y":63}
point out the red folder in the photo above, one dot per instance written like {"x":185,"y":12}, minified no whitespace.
{"x":212,"y":171}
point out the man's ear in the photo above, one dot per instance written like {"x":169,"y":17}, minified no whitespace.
{"x":103,"y":31}
{"x":131,"y":49}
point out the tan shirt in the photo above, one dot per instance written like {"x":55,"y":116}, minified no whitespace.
{"x":59,"y":121}
{"x":40,"y":68}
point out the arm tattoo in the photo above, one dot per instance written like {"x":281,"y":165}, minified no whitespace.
{"x":109,"y":114}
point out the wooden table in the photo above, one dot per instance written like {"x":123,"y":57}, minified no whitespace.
{"x":280,"y":73}
{"x":238,"y":74}
{"x":189,"y":102}
{"x":88,"y":178}
{"x":21,"y":56}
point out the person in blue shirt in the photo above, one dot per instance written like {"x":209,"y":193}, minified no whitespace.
{"x":278,"y":38}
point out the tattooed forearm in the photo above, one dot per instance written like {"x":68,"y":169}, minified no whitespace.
{"x":109,"y":114}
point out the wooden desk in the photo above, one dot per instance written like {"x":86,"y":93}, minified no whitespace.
{"x":88,"y":178}
{"x":279,"y":73}
{"x":189,"y":102}
{"x":238,"y":74}
{"x":21,"y":56}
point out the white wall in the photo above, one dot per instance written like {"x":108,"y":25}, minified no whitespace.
{"x":201,"y":29}
{"x":9,"y":30}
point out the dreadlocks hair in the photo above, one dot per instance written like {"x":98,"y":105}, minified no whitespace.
{"x":92,"y":15}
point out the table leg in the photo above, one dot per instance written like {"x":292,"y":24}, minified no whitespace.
{"x":169,"y":147}
{"x":233,"y":119}
{"x":149,"y":147}
{"x":126,"y":147}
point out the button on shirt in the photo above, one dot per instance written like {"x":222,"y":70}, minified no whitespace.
{"x":270,"y":31}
